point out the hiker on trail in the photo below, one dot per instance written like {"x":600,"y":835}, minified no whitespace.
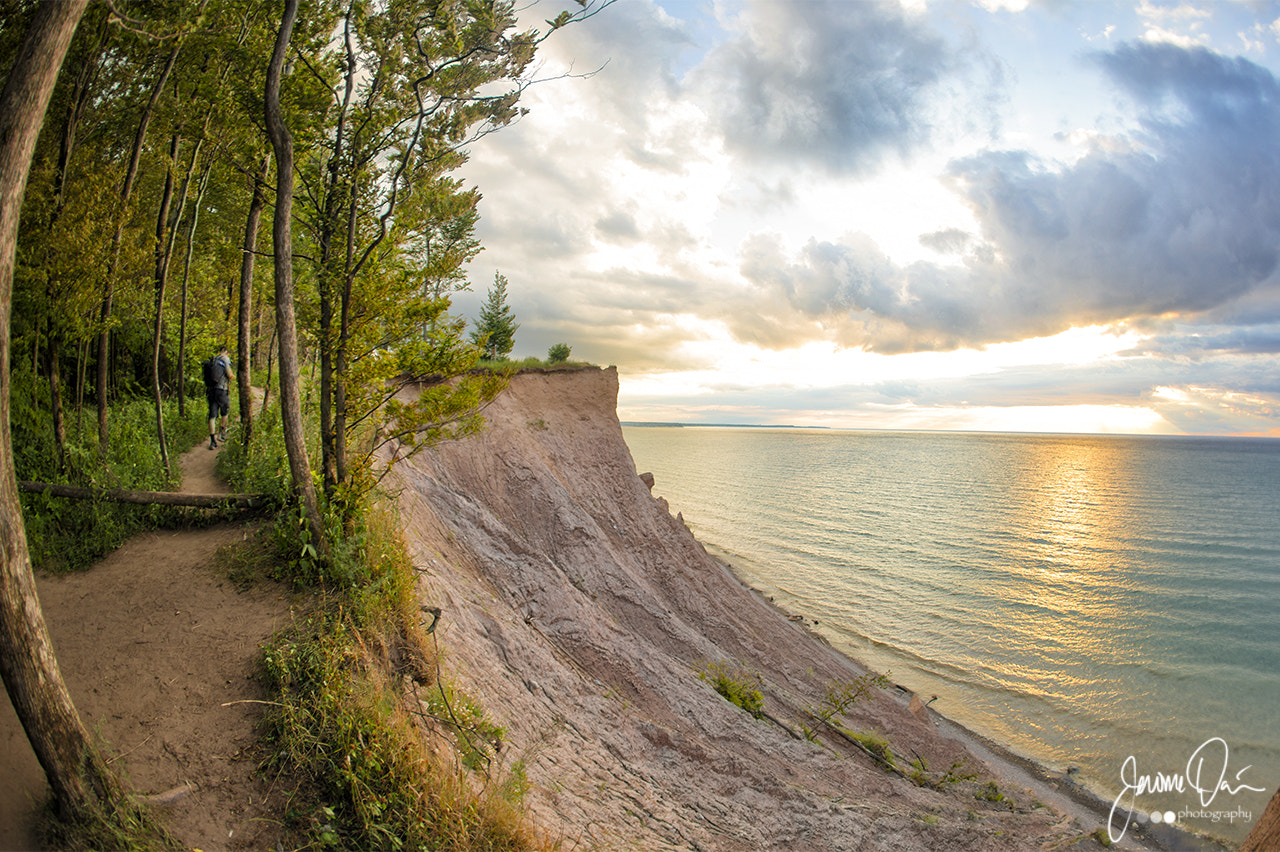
{"x":216,"y":389}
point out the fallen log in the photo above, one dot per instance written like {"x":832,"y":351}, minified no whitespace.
{"x":164,"y":498}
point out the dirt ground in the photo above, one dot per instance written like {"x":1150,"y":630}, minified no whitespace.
{"x":158,"y":650}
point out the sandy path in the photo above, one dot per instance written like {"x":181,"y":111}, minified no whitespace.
{"x":158,"y":649}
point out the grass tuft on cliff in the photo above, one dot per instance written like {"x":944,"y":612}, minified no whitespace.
{"x":736,"y":684}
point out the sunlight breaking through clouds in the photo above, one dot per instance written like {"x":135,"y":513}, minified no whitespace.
{"x":951,"y":206}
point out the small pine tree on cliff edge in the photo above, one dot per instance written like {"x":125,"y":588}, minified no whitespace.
{"x":496,"y":328}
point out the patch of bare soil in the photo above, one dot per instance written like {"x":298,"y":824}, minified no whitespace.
{"x":158,"y":650}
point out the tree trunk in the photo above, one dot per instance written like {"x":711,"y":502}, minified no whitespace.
{"x":82,"y":358}
{"x":331,"y":218}
{"x":186,"y":280}
{"x":244,"y":334}
{"x":340,"y":365}
{"x":53,"y":352}
{"x":108,"y":296}
{"x":78,"y":776}
{"x":271,"y":360}
{"x":75,"y":112}
{"x":327,"y":459}
{"x":163,"y":245}
{"x":286,"y":325}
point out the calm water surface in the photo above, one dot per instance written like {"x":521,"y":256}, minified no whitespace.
{"x":1081,"y":599}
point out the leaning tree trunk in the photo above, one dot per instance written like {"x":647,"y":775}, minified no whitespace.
{"x":186,"y":280}
{"x":53,"y":353}
{"x":282,"y":236}
{"x":79,"y":777}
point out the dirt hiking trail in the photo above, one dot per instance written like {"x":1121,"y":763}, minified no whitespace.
{"x":158,"y":650}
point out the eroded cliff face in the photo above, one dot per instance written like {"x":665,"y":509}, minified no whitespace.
{"x":579,"y":610}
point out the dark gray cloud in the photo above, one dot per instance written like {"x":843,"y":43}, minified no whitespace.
{"x":1185,"y":219}
{"x":857,"y":291}
{"x":1199,"y":342}
{"x":834,"y":84}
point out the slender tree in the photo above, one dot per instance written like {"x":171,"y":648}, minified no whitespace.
{"x":419,"y":80}
{"x":244,"y":332}
{"x":59,"y":280}
{"x":109,"y":287}
{"x":192,"y":227}
{"x":286,"y":325}
{"x":162,"y":255}
{"x":496,"y":327}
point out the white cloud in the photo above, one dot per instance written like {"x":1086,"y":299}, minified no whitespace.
{"x":804,"y":206}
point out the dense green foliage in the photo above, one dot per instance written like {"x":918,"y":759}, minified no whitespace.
{"x":135,"y":220}
{"x":134,"y":228}
{"x":358,"y":700}
{"x":135,"y":262}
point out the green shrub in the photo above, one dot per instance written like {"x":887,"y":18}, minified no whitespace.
{"x":839,"y":697}
{"x":263,"y":466}
{"x":958,"y":772}
{"x":366,"y":775}
{"x":989,"y":792}
{"x":558,"y":353}
{"x":358,"y":705}
{"x":736,"y":684}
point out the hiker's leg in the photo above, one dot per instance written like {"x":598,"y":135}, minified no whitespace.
{"x":224,"y":408}
{"x":213,"y":419}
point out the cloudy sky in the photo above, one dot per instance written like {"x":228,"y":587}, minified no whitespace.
{"x":1038,"y":215}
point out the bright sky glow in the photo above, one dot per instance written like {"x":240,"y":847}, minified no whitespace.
{"x":996,"y":215}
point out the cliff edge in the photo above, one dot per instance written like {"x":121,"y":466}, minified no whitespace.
{"x":580,"y":612}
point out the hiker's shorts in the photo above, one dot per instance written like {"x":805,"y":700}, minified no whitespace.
{"x":219,"y":402}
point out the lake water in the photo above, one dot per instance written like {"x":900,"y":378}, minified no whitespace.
{"x":1082,"y":600}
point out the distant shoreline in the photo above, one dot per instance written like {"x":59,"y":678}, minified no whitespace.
{"x":674,"y":425}
{"x":1145,"y":436}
